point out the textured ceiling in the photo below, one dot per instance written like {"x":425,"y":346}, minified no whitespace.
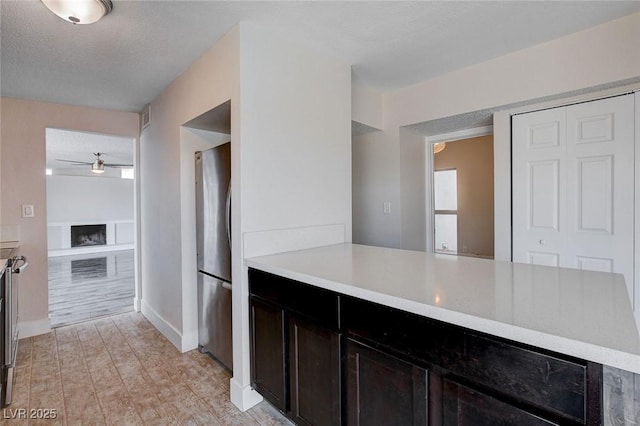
{"x":125,"y":60}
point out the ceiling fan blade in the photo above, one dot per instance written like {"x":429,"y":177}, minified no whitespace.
{"x":117,"y":165}
{"x":72,"y":161}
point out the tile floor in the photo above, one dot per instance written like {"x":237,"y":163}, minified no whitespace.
{"x":89,"y":286}
{"x":121,"y":371}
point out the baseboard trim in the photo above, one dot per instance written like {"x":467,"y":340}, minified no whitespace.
{"x":33,"y":328}
{"x":173,"y":335}
{"x":137,"y":304}
{"x":243,"y":397}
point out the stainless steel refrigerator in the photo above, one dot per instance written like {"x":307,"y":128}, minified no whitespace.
{"x":213,"y":222}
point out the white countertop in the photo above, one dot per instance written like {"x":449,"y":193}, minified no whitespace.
{"x":583,"y":314}
{"x":7,"y":245}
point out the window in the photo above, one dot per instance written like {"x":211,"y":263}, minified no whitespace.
{"x":445,"y":191}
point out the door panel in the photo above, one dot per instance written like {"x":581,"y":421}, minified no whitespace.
{"x":383,"y":390}
{"x":595,"y":194}
{"x":539,"y":185}
{"x":600,"y":179}
{"x":544,"y":212}
{"x":573,"y":186}
{"x":268,"y":353}
{"x":314,"y":359}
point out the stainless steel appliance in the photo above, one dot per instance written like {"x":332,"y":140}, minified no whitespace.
{"x":213,"y":222}
{"x":9,"y":312}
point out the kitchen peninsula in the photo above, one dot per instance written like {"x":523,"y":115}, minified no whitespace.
{"x":443,"y":339}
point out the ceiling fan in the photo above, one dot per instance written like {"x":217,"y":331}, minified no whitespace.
{"x":97,"y":165}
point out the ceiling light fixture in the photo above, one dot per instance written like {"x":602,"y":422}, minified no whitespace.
{"x":79,"y":11}
{"x":438,"y":147}
{"x":97,"y":166}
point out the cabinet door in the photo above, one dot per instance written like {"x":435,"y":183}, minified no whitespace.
{"x":383,"y":390}
{"x":315,"y":373}
{"x":463,"y":406}
{"x":268,"y":362}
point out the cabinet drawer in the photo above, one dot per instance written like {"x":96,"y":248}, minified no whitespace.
{"x":410,"y":336}
{"x":530,"y":376}
{"x":463,"y":406}
{"x":308,"y":301}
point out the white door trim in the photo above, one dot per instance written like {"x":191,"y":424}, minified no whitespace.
{"x":460,"y":134}
{"x":430,"y":140}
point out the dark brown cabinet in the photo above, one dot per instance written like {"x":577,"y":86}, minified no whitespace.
{"x":383,"y":390}
{"x":314,"y":365}
{"x":296,"y":354}
{"x":325,"y":358}
{"x":268,"y":361}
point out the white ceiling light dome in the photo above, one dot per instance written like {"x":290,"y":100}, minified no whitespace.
{"x":79,"y":11}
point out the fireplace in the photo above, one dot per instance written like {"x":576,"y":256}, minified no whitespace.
{"x":88,"y":235}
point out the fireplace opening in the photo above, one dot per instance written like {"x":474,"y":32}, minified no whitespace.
{"x":88,"y":235}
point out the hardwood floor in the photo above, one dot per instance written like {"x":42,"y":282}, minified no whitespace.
{"x":121,"y":371}
{"x":84,"y":287}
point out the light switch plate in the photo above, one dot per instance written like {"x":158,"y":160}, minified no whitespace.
{"x":27,"y":210}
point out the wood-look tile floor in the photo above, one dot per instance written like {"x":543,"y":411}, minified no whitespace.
{"x":121,"y":371}
{"x":83,"y":287}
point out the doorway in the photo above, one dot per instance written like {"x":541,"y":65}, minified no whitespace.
{"x":463,"y":200}
{"x":91,"y":225}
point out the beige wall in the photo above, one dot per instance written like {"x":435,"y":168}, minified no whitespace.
{"x":473,"y":160}
{"x":22,"y":170}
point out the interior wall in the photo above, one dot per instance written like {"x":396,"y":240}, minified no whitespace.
{"x":24,"y":125}
{"x":375,"y":182}
{"x":473,"y":160}
{"x":412,"y":190}
{"x":212,"y":80}
{"x":296,"y":130}
{"x":366,"y":106}
{"x":596,"y":56}
{"x":84,"y":199}
{"x":295,"y":158}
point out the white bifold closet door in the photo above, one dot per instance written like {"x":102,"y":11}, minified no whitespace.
{"x":573,"y":187}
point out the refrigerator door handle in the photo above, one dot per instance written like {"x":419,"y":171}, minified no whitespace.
{"x":228,"y":218}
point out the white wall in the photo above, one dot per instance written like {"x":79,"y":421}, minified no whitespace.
{"x":412,"y":190}
{"x":296,"y":133}
{"x":600,"y":55}
{"x":295,"y":171}
{"x":85,"y":199}
{"x":366,"y":106}
{"x":23,"y":130}
{"x":375,"y":181}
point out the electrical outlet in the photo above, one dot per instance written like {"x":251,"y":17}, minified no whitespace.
{"x":386,"y":209}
